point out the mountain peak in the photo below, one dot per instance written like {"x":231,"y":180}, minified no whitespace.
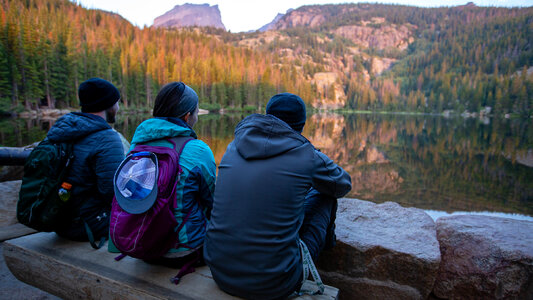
{"x":272,"y":24}
{"x":202,"y":15}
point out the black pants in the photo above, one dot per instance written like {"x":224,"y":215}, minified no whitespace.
{"x":319,"y":219}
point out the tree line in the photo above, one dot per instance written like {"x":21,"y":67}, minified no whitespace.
{"x":462,"y":58}
{"x":48,"y":47}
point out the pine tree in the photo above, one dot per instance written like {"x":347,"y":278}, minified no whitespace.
{"x":59,"y":69}
{"x":5,"y":90}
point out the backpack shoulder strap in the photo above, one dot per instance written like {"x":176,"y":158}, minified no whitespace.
{"x":179,"y":142}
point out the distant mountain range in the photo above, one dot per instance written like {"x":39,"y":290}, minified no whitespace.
{"x":201,"y":15}
{"x":187,"y":15}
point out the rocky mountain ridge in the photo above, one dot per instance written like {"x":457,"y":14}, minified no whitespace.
{"x":271,"y":25}
{"x":333,"y":69}
{"x":186,"y":15}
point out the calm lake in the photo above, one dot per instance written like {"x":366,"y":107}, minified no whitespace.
{"x":442,"y":165}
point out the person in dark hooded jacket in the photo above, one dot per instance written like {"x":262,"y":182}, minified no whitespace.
{"x":98,"y":151}
{"x":273,"y":189}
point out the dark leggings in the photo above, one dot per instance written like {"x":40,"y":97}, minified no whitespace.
{"x":318,"y":211}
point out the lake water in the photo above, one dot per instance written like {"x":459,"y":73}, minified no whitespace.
{"x":442,"y":165}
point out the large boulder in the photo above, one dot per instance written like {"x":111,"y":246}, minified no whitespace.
{"x":485,"y":258}
{"x":383,"y":251}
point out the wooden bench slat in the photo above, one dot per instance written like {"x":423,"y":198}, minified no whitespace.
{"x":71,"y":270}
{"x":14,"y":230}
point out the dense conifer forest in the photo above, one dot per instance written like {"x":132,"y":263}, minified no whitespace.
{"x":460,"y":58}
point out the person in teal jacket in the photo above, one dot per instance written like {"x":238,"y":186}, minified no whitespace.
{"x":175,"y":113}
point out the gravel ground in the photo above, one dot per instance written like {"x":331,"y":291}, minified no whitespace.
{"x":12,"y":288}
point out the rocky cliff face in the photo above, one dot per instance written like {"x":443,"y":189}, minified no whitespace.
{"x":271,"y":25}
{"x":307,"y":17}
{"x":376,"y":33}
{"x":380,"y":37}
{"x":202,"y":15}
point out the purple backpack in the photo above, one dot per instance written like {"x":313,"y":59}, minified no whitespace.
{"x":142,"y":223}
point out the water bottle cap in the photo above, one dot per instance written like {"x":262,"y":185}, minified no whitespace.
{"x":66,"y":185}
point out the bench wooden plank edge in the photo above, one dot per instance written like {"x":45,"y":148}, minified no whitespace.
{"x":14,"y":231}
{"x":72,"y":270}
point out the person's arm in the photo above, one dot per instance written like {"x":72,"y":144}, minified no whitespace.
{"x":109,"y":155}
{"x":201,"y":179}
{"x":207,"y":184}
{"x":329,"y":178}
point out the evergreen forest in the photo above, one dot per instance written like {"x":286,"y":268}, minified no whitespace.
{"x":465,"y":58}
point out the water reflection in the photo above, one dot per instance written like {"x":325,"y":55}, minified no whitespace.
{"x":434,"y":163}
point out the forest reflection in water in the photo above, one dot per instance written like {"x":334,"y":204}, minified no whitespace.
{"x":429,"y":162}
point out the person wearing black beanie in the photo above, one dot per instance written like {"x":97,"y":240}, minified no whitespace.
{"x":100,"y":97}
{"x":98,"y":151}
{"x":289,"y":108}
{"x":275,"y":203}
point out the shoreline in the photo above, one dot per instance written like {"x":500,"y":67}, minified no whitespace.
{"x":51,"y":113}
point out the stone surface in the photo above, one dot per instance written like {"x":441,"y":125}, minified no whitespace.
{"x":191,"y":15}
{"x":383,"y":37}
{"x":307,"y":16}
{"x":8,"y":202}
{"x":9,"y":226}
{"x":73,"y":270}
{"x":384,"y":251}
{"x":485,"y":258}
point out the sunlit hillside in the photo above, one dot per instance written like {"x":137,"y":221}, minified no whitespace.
{"x":354,"y":56}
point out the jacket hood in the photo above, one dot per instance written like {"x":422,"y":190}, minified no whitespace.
{"x":159,"y":128}
{"x":76,"y":125}
{"x":262,"y":136}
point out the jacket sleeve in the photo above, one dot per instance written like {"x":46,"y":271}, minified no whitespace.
{"x":208,"y":178}
{"x":200,"y":183}
{"x":109,"y":155}
{"x":329,"y":178}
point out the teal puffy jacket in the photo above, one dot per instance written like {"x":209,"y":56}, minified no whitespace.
{"x":197,"y":182}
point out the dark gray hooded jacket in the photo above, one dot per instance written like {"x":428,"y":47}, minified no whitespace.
{"x":252,"y":240}
{"x":98,"y":152}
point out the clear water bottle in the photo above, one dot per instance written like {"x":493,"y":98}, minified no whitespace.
{"x":64,"y":191}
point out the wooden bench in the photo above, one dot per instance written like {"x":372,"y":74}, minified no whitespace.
{"x":73,"y":270}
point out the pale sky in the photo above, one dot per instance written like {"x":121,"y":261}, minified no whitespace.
{"x":246,"y":15}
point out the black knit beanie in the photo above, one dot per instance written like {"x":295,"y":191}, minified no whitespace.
{"x":97,"y":94}
{"x":289,"y":108}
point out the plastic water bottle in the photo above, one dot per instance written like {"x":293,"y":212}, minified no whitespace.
{"x":64,"y":191}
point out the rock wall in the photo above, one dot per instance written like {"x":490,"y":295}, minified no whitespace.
{"x":308,"y":17}
{"x":485,"y":257}
{"x":385,"y":251}
{"x":386,"y":36}
{"x":191,"y":15}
